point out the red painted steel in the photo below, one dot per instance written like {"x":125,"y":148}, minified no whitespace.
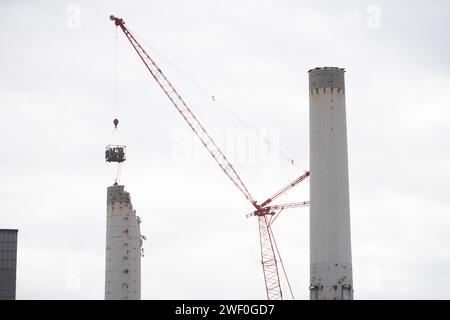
{"x":285,"y":189}
{"x":269,"y":261}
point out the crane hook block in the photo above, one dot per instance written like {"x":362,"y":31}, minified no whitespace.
{"x":116,"y":122}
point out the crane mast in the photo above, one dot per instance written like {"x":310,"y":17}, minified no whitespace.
{"x":269,"y":260}
{"x":267,"y":242}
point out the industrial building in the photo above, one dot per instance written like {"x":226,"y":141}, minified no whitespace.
{"x":123,"y":247}
{"x":330,"y":242}
{"x":8,"y":263}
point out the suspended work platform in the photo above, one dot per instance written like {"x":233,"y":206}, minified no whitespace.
{"x":115,"y":153}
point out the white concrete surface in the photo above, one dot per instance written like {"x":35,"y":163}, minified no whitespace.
{"x":123,"y":247}
{"x":330,"y":241}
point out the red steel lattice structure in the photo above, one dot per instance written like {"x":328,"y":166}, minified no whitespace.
{"x":263,"y":211}
{"x":269,"y":261}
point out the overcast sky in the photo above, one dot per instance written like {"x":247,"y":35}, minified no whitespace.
{"x":57,"y":107}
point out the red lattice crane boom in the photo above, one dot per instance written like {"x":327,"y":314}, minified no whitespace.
{"x":267,"y":242}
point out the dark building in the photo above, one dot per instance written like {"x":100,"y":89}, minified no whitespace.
{"x":8,"y":264}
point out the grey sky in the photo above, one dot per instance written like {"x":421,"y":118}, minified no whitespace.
{"x":56,"y":107}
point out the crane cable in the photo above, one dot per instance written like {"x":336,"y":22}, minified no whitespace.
{"x":213,"y":98}
{"x":115,"y":131}
{"x":116,"y":100}
{"x":116,"y":74}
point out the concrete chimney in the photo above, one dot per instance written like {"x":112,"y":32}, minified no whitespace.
{"x":330,"y":242}
{"x":123,"y":247}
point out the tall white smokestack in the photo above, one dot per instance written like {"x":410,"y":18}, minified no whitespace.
{"x":330,"y":245}
{"x":123,"y":247}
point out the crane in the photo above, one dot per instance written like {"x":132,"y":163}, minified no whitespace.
{"x":264,"y":211}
